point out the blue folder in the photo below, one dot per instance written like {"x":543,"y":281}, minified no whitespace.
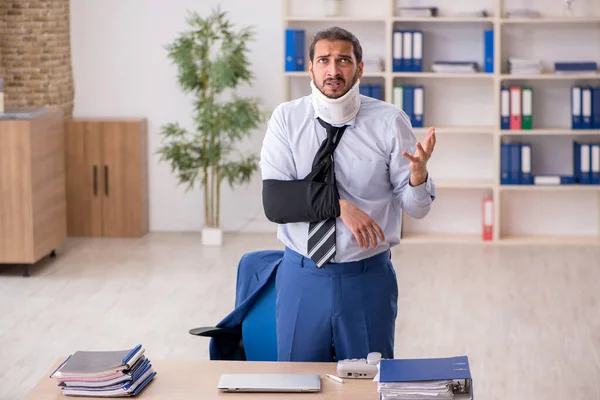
{"x":428,"y":369}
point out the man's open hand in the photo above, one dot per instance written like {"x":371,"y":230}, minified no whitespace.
{"x":363,"y":227}
{"x":418,"y":160}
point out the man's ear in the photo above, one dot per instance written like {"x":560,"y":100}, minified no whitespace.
{"x":310,"y":70}
{"x":361,"y":65}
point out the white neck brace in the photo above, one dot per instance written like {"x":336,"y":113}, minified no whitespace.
{"x":336,"y":111}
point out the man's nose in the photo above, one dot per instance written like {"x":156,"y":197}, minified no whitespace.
{"x":333,"y":70}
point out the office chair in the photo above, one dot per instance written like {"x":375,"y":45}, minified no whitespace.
{"x":248,"y":332}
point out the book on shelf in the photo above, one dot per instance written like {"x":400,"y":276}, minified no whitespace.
{"x":111,"y":373}
{"x":585,"y":107}
{"x":516,"y":165}
{"x":411,"y":99}
{"x":579,"y":67}
{"x":516,"y":108}
{"x":407,"y":50}
{"x":294,"y":50}
{"x":374,"y":91}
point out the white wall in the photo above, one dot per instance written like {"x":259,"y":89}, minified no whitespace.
{"x":121,"y":69}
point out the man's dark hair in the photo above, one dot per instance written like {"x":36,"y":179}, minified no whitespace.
{"x":336,"y":33}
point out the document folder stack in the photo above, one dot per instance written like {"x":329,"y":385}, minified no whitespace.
{"x":428,"y":378}
{"x":120,"y":373}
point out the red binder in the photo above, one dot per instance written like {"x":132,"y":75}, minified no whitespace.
{"x":488,"y":218}
{"x":515,"y":108}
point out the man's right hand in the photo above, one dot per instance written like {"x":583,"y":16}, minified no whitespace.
{"x":363,"y":227}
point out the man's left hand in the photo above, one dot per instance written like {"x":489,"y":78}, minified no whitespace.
{"x":418,"y":161}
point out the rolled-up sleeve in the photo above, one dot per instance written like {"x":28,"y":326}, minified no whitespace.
{"x":416,"y":201}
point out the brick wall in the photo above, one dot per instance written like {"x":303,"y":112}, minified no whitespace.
{"x":35,"y":54}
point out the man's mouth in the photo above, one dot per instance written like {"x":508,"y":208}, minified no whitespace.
{"x":334,"y":84}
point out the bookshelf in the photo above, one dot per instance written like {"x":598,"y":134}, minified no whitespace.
{"x":466,"y":162}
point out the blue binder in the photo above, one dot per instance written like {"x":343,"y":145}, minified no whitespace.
{"x":596,"y":107}
{"x":290,"y":50}
{"x":429,"y":369}
{"x":587,"y":108}
{"x":299,"y":49}
{"x":504,"y":163}
{"x":409,"y":102}
{"x":576,"y":107}
{"x":418,"y":106}
{"x":376,"y":92}
{"x":488,"y":51}
{"x":397,"y":50}
{"x":515,"y":163}
{"x":365,"y":90}
{"x":505,"y":108}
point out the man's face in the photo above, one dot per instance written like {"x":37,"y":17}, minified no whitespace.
{"x":334,"y":69}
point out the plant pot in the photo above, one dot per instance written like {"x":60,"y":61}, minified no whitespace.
{"x":212,"y":237}
{"x":332,"y":7}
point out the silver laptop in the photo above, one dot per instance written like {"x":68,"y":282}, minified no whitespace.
{"x":270,"y":383}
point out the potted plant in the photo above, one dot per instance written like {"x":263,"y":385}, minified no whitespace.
{"x":211,"y":61}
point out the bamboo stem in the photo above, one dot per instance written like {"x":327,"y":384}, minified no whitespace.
{"x":218,"y":211}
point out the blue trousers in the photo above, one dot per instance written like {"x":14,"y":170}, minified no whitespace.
{"x":343,"y":310}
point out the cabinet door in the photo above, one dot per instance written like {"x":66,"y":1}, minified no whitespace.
{"x":123,"y":205}
{"x":84,"y":178}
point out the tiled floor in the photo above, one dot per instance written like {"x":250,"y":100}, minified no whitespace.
{"x":527,"y":317}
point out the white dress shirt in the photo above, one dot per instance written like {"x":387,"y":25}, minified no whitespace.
{"x":371,"y":171}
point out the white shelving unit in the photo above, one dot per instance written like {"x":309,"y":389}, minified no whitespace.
{"x":470,"y":185}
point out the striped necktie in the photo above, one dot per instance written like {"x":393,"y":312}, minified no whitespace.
{"x":321,"y":234}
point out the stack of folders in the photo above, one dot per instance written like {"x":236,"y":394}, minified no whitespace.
{"x":428,"y":378}
{"x":576,"y":68}
{"x":120,"y":373}
{"x":455,"y":66}
{"x":521,"y":66}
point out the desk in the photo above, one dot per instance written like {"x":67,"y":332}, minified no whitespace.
{"x":187,"y":380}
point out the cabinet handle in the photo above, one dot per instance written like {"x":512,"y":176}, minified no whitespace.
{"x":95,"y":180}
{"x":106,"y":180}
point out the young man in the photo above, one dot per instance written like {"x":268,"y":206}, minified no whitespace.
{"x":338,"y":168}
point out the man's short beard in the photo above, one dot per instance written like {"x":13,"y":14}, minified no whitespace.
{"x":354,"y":79}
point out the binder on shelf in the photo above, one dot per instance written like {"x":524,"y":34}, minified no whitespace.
{"x":586,"y":108}
{"x":417,"y":54}
{"x":515,"y":164}
{"x":576,"y":107}
{"x":397,"y":51}
{"x":436,"y":377}
{"x":408,"y":102}
{"x":526,"y":176}
{"x":515,"y":108}
{"x":419,"y":105}
{"x":581,"y":162}
{"x":376,"y":92}
{"x":527,"y":108}
{"x":595,"y":163}
{"x":505,"y":108}
{"x":294,"y":50}
{"x":596,"y":107}
{"x":407,"y":45}
{"x":365,"y":90}
{"x":504,"y":163}
{"x":398,"y":96}
{"x":488,"y":219}
{"x":488,"y":51}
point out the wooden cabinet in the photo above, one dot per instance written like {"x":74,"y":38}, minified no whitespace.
{"x":107,"y":178}
{"x":32,"y":186}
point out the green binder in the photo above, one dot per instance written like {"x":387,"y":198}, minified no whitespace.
{"x":527,"y":108}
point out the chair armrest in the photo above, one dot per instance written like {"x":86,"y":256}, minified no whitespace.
{"x":213,"y":331}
